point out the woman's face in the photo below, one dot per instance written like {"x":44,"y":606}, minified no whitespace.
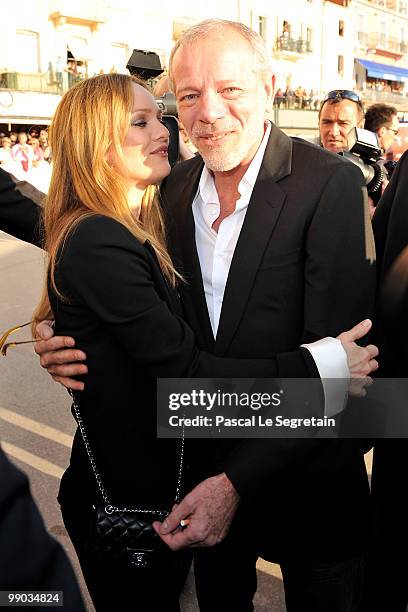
{"x":146,"y":143}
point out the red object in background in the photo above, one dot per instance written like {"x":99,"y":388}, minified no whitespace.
{"x":400,"y":143}
{"x":25,"y":165}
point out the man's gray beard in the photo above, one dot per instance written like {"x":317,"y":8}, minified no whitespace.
{"x":221,"y":162}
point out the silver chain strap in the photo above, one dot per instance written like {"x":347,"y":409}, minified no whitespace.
{"x":109,"y":508}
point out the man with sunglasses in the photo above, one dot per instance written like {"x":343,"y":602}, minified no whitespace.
{"x":383,"y":120}
{"x":340,"y":112}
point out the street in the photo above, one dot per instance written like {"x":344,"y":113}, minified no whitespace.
{"x":36,"y":426}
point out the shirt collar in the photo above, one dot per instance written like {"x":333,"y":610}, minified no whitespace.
{"x":207,"y":189}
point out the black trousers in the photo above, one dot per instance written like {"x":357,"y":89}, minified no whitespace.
{"x":116,"y":588}
{"x":226,"y":580}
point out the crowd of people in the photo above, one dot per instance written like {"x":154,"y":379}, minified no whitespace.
{"x":297,"y":98}
{"x":386,"y":86}
{"x":255,"y":259}
{"x":27,"y":155}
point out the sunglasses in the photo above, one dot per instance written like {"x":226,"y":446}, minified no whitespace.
{"x":343,"y":94}
{"x":4,"y":345}
{"x":392,"y":130}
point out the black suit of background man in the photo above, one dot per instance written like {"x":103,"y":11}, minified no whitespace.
{"x":29,"y":558}
{"x":387,"y":580}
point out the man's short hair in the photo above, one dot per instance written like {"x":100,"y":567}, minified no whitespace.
{"x":338,"y":95}
{"x":378,"y":116}
{"x":218,"y":26}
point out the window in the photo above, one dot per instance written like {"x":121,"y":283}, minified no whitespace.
{"x":262,"y":26}
{"x":309,"y":40}
{"x":402,"y":7}
{"x":340,"y":65}
{"x":27,"y":52}
{"x":360,"y":30}
{"x":403,"y":44}
{"x":119,"y":57}
{"x":341,"y":27}
{"x":383,"y":34}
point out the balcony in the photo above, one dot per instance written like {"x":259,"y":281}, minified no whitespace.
{"x":90,"y":13}
{"x":386,"y":97}
{"x":390,"y":5}
{"x":25,"y":81}
{"x":291,"y":48}
{"x":380,"y":44}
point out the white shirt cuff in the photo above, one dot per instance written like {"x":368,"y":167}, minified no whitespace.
{"x":331,"y":361}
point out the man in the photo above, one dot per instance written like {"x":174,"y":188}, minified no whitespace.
{"x":29,"y":557}
{"x":340,"y":112}
{"x":383,"y":120}
{"x":269,"y":232}
{"x":386,"y":582}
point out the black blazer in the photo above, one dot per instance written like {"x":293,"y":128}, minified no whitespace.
{"x":299,"y":273}
{"x":29,"y":558}
{"x":20,"y":208}
{"x":390,"y":224}
{"x":390,"y":493}
{"x":125,"y":316}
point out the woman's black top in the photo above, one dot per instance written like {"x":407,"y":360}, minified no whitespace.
{"x":128,"y":319}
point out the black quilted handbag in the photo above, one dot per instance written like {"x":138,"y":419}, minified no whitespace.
{"x":125,"y":535}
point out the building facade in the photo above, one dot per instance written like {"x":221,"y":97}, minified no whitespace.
{"x":381,"y":50}
{"x":313,"y":44}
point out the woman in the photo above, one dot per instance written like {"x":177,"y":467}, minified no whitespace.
{"x":112,"y":285}
{"x":5,"y":150}
{"x":23,"y":152}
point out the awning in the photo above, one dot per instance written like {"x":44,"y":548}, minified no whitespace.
{"x":34,"y":121}
{"x":384,"y":71}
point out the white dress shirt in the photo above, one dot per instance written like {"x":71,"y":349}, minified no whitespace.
{"x":215,"y":252}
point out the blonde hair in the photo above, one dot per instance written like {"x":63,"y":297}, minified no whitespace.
{"x":217,"y":27}
{"x":93,"y":116}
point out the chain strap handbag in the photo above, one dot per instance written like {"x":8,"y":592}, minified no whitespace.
{"x":120,"y":534}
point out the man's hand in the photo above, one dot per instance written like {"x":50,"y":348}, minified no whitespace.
{"x":61,"y":362}
{"x":209,"y":508}
{"x":360,"y":360}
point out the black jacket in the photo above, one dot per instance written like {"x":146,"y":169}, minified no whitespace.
{"x":299,"y":273}
{"x":20,"y":208}
{"x":29,"y":558}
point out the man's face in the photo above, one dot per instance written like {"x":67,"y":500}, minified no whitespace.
{"x":336,"y":121}
{"x":388,"y":133}
{"x":221,"y":101}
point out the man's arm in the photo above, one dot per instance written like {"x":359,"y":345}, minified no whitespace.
{"x":339,"y":275}
{"x":211,"y":505}
{"x":20,"y":208}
